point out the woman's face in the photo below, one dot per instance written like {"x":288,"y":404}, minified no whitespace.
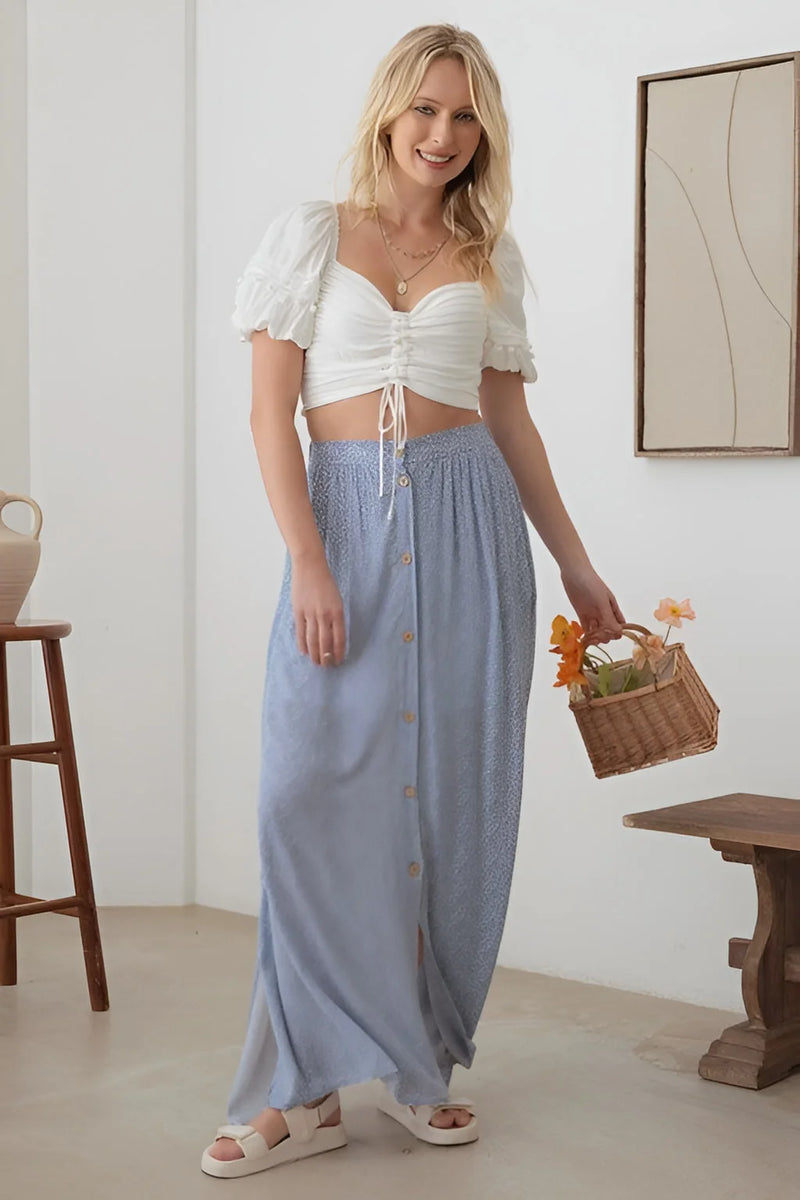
{"x":439,"y":122}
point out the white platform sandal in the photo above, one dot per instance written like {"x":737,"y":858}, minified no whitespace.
{"x":306,"y":1136}
{"x":417,"y":1119}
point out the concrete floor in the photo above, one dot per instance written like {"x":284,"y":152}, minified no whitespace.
{"x":583,"y":1091}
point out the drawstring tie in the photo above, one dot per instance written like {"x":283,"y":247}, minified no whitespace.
{"x":393,"y":399}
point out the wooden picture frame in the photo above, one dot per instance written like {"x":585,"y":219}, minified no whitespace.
{"x":717,"y":275}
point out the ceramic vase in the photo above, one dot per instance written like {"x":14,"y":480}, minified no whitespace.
{"x":19,"y":560}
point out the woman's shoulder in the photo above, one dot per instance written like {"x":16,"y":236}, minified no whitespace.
{"x":303,"y":222}
{"x":506,"y":252}
{"x":507,"y":260}
{"x":300,"y":238}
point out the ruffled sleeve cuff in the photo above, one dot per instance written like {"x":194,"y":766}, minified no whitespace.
{"x":264,"y":302}
{"x":507,"y":347}
{"x":510,"y":357}
{"x":278,"y":287}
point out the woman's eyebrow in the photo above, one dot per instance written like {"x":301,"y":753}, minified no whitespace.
{"x":432,"y":101}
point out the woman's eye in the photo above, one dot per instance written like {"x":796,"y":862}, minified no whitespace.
{"x":425,"y":108}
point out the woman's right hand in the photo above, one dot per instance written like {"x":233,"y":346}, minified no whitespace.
{"x":318,"y":612}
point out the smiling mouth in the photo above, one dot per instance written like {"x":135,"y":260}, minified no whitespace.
{"x":436,"y":160}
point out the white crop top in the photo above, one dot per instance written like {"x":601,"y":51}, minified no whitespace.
{"x":355,"y":342}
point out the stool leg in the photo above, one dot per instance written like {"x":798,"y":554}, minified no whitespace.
{"x":8,"y":925}
{"x":76,"y":829}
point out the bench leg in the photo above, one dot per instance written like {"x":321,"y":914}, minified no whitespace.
{"x":8,"y":926}
{"x":766,"y":1047}
{"x":76,"y":829}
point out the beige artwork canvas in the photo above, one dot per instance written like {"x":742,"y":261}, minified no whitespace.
{"x":717,"y":260}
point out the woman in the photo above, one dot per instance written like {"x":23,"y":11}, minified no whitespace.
{"x":401,"y":652}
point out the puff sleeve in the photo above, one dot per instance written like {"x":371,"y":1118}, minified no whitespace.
{"x":506,"y":346}
{"x":279,"y":285}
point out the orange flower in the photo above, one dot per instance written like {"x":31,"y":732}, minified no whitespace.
{"x":569,"y":669}
{"x":649,"y":652}
{"x":566,"y":635}
{"x":569,"y":672}
{"x":671,"y":612}
{"x":566,"y":641}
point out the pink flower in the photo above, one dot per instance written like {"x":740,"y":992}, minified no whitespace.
{"x":670,"y":612}
{"x":648,"y":652}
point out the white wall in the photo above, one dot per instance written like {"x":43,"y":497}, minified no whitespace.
{"x":256,"y":112}
{"x":111,"y":320}
{"x":123,"y":410}
{"x":14,"y":437}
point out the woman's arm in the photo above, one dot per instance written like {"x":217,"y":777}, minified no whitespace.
{"x":277,"y":371}
{"x":504,"y":410}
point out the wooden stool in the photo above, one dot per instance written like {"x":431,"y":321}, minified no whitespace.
{"x":60,"y":751}
{"x":763,"y":831}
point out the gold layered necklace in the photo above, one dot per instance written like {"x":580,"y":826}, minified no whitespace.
{"x":401,"y":287}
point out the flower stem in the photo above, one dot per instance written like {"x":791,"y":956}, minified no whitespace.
{"x":602,"y":651}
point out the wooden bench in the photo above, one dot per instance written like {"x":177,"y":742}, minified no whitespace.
{"x":765,"y":832}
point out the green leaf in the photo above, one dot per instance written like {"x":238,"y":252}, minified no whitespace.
{"x":632,"y":681}
{"x":604,"y":679}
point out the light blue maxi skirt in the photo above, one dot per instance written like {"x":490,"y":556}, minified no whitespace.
{"x":390,"y":785}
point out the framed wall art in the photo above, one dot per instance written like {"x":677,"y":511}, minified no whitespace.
{"x":716,"y":289}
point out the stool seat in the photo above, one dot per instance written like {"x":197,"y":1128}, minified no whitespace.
{"x":33,"y":631}
{"x":59,"y":751}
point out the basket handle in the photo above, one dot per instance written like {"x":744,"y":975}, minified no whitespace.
{"x":589,"y":641}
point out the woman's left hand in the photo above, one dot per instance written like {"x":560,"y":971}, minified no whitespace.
{"x":596,"y":606}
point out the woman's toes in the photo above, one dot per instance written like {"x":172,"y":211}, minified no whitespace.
{"x":445,"y":1118}
{"x":270,"y":1124}
{"x":226,"y":1149}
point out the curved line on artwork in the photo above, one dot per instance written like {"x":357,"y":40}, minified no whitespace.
{"x":716,"y":282}
{"x":733,"y":210}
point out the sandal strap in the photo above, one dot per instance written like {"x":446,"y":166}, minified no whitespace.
{"x":469,"y":1105}
{"x":249,"y":1139}
{"x":328,"y":1106}
{"x":302,"y":1122}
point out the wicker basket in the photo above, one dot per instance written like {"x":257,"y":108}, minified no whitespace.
{"x":671,"y":718}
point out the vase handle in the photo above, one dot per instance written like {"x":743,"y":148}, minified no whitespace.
{"x":7,"y":497}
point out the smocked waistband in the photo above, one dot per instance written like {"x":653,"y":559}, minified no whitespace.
{"x":424,"y":447}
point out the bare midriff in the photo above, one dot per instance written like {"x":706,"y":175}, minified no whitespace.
{"x":357,"y":417}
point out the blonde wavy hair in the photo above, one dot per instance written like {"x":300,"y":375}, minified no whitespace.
{"x":476,"y":202}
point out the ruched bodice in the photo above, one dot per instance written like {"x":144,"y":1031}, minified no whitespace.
{"x":356,"y":342}
{"x":362,"y":344}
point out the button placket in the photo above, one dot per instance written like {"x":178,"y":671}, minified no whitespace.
{"x":409,"y":690}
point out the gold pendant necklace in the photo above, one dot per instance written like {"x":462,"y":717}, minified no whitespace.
{"x":401,"y":286}
{"x":414,"y":253}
